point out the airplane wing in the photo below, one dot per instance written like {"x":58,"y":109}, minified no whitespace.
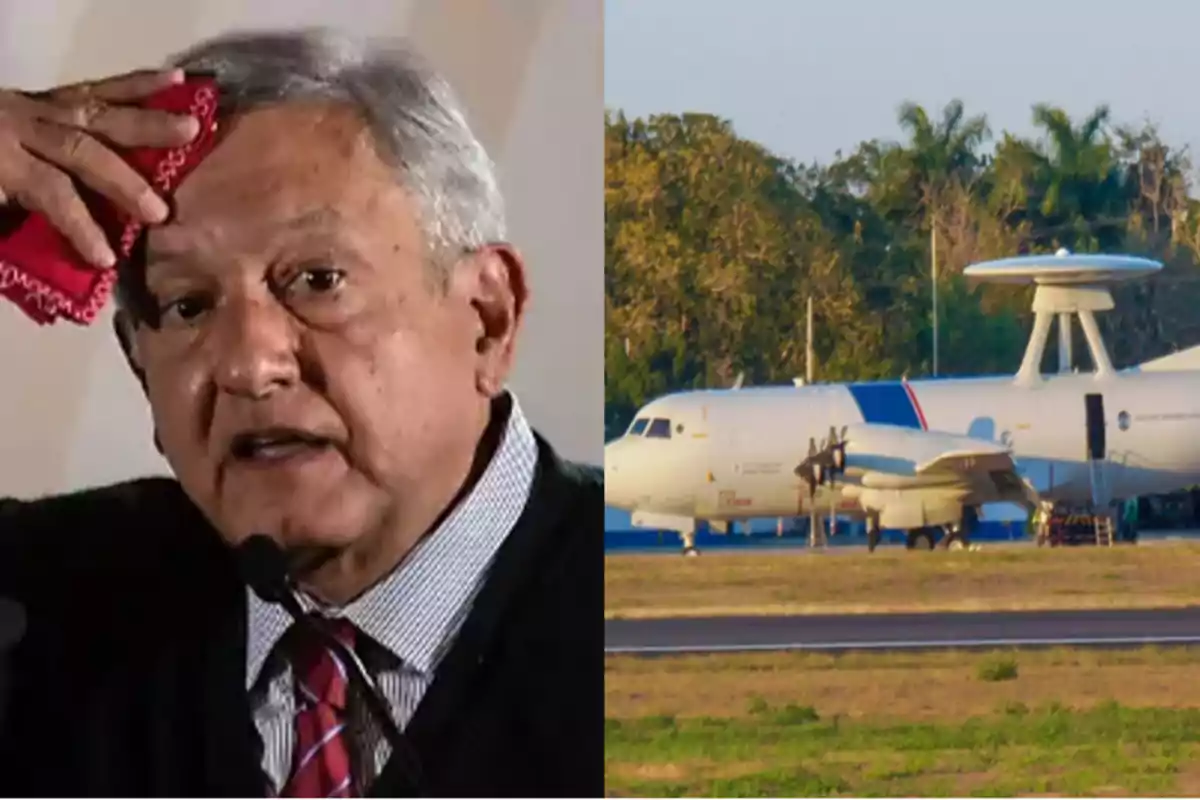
{"x":880,"y":459}
{"x":965,"y":460}
{"x":912,"y":452}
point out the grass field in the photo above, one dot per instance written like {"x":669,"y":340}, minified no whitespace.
{"x":1060,"y":722}
{"x":1004,"y":578}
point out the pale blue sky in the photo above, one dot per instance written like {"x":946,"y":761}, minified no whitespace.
{"x":806,"y":77}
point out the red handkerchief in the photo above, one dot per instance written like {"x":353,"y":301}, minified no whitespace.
{"x":41,"y":271}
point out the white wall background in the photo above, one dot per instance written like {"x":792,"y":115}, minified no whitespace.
{"x":530,"y":73}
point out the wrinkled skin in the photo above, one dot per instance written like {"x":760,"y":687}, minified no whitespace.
{"x":295,"y":291}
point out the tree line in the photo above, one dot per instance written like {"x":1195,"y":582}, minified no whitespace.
{"x":714,"y":245}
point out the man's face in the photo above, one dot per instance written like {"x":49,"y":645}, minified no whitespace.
{"x":310,"y":378}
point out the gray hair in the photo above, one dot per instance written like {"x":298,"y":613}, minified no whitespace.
{"x":413,"y":115}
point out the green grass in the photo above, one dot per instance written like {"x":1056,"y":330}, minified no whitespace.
{"x":794,"y":751}
{"x":998,"y":669}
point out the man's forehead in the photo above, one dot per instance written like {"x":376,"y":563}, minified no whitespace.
{"x":305,"y":168}
{"x":282,"y":154}
{"x":271,"y":131}
{"x":179,"y":238}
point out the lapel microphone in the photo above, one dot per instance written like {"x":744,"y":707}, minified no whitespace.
{"x":263,"y":567}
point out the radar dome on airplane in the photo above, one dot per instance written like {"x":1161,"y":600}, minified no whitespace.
{"x":1064,"y":268}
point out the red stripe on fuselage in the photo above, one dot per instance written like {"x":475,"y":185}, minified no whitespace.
{"x":916,"y":405}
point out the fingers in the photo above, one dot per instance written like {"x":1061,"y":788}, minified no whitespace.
{"x":124,"y":88}
{"x":98,"y":167}
{"x":90,"y":106}
{"x":69,"y":128}
{"x":124,"y":126}
{"x":38,"y":186}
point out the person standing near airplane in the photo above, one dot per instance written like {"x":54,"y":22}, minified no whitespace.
{"x":1129,"y":519}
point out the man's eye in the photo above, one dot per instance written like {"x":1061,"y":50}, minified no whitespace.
{"x":185,"y":309}
{"x":319,"y":280}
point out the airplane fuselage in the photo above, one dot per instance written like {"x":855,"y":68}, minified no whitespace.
{"x":731,"y":454}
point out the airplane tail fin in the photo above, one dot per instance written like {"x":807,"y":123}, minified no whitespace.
{"x":1182,"y":361}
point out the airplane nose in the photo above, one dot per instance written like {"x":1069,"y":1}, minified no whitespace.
{"x":614,"y":480}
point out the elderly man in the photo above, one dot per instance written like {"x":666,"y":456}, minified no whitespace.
{"x":323,"y":321}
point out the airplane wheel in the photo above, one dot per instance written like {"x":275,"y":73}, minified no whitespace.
{"x":919,"y":539}
{"x":690,"y":552}
{"x":872,"y":540}
{"x":953,"y":540}
{"x":944,"y":535}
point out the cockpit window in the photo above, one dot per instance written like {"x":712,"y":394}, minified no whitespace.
{"x":638,"y":427}
{"x":659,"y":429}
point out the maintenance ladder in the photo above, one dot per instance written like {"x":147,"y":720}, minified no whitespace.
{"x":1101,"y":503}
{"x":1104,"y":530}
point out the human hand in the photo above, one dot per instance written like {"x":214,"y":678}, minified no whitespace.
{"x":49,"y":138}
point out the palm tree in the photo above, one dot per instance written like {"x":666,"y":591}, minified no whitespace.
{"x":938,"y":157}
{"x":944,"y":151}
{"x":1079,"y":177}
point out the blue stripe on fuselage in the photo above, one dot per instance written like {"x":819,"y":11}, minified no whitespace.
{"x":885,"y":404}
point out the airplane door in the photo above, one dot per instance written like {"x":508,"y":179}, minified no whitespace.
{"x":1097,"y":445}
{"x":713,"y":463}
{"x":725,"y":493}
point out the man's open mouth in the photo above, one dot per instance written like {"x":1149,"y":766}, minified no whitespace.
{"x":276,"y":444}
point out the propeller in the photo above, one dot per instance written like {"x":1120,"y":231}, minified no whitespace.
{"x":809,"y":470}
{"x":837,"y":448}
{"x":823,"y":464}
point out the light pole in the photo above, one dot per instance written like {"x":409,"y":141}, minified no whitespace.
{"x":808,"y":343}
{"x":934,"y":271}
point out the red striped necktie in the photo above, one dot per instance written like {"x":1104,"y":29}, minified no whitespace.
{"x":321,"y":764}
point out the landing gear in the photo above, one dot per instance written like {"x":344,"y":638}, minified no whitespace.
{"x":958,"y":537}
{"x":939,"y":537}
{"x":919,"y":539}
{"x":968,"y":526}
{"x":689,"y":543}
{"x":953,"y":538}
{"x":873,"y":533}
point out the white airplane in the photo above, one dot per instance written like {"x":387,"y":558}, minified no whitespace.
{"x":924,"y":455}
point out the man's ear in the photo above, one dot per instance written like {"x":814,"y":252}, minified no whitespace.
{"x":495,"y":282}
{"x":123,"y":327}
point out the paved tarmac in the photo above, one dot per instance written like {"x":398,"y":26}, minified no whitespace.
{"x":904,"y":631}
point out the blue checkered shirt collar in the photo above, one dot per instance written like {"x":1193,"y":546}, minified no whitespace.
{"x":416,"y":611}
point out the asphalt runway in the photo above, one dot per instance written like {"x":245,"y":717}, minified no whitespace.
{"x":904,"y":631}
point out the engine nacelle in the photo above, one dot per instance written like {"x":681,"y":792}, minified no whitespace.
{"x":905,"y":510}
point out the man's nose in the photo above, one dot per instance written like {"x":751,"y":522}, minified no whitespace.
{"x":255,"y":347}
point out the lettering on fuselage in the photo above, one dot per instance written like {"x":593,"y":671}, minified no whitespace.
{"x":1167,"y":417}
{"x":761,"y":468}
{"x":730,"y":499}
